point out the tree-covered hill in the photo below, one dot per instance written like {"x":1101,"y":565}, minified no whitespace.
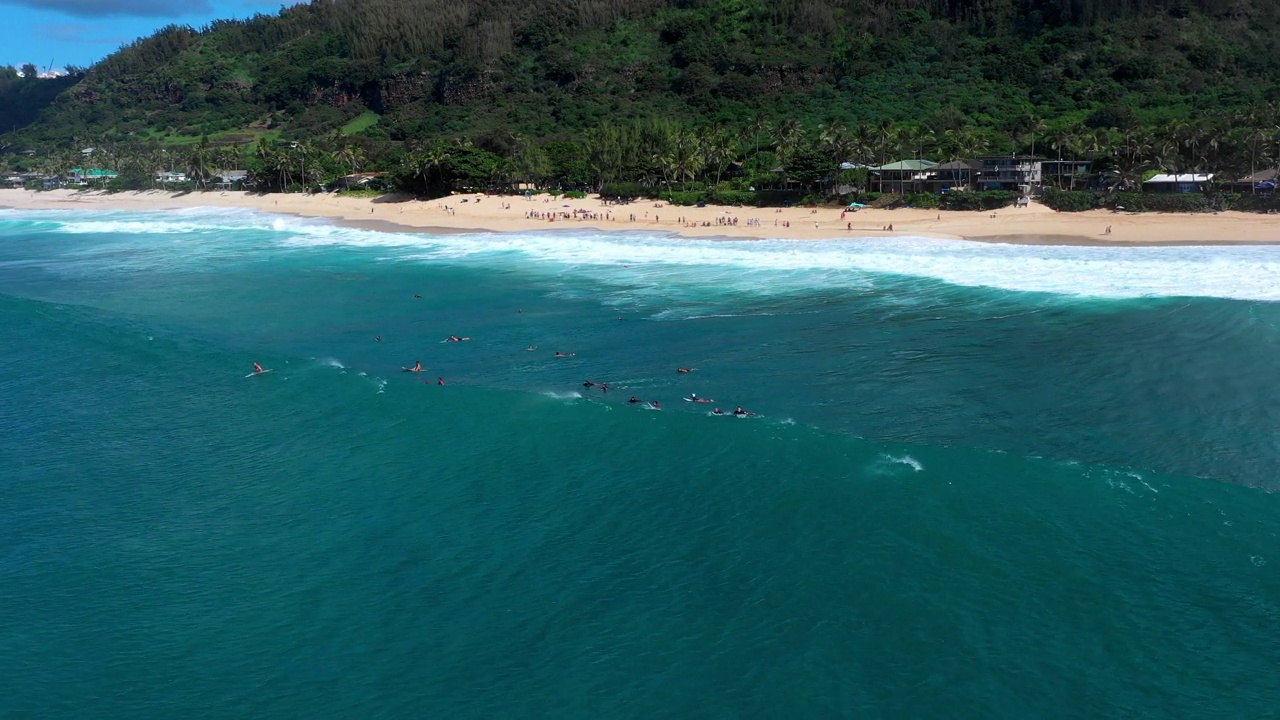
{"x":549,"y":67}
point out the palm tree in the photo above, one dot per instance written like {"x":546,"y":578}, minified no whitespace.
{"x":348,"y":154}
{"x":200,"y":162}
{"x":787,"y":137}
{"x":759,"y":126}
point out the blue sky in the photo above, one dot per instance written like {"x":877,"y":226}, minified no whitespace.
{"x":81,"y":32}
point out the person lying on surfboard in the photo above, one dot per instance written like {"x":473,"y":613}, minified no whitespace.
{"x":417,"y":367}
{"x":693,"y":397}
{"x":742,"y":413}
{"x":257,"y":369}
{"x":685,"y":370}
{"x":455,"y":338}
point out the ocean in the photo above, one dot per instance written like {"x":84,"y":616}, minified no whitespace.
{"x":979,"y":481}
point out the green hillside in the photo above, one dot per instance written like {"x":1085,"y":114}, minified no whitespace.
{"x":514,"y":77}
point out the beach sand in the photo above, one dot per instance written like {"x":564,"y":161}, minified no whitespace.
{"x":1036,"y":224}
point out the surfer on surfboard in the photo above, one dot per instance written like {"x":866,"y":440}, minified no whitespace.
{"x":257,"y":369}
{"x":417,"y":367}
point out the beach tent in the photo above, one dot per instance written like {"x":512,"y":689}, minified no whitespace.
{"x":856,"y":205}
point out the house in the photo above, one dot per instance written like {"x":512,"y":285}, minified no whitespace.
{"x":83,"y":177}
{"x":1259,"y":182}
{"x":957,"y":174}
{"x":1019,"y":173}
{"x":171,"y":176}
{"x":358,"y":181}
{"x":1180,"y":183}
{"x":1065,"y":173}
{"x":903,"y":176}
{"x":230,"y":179}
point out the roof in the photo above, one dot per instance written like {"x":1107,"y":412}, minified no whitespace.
{"x":909,"y":165}
{"x":960,"y":165}
{"x":1182,"y":178}
{"x":1259,"y":176}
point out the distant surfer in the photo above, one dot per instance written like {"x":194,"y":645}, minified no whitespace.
{"x":654,"y":404}
{"x":693,"y":397}
{"x":604,"y":387}
{"x":439,"y":381}
{"x":377,"y":338}
{"x":633,"y":400}
{"x":717,"y":411}
{"x":417,"y":297}
{"x":588,"y":383}
{"x":531,"y":348}
{"x":257,"y":369}
{"x":562,"y":355}
{"x":685,"y":370}
{"x":417,"y":367}
{"x":455,"y":338}
{"x":741,"y":413}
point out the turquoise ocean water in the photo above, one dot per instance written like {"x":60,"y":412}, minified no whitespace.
{"x":983,"y":482}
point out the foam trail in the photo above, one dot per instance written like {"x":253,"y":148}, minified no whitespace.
{"x":906,"y":460}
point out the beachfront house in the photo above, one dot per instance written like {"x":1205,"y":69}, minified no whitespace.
{"x":904,"y":176}
{"x":230,"y":179}
{"x":170,"y":177}
{"x":83,"y":177}
{"x":1066,"y":173}
{"x":1179,"y":183}
{"x":1257,"y":183}
{"x":954,"y":175}
{"x":1019,"y":173}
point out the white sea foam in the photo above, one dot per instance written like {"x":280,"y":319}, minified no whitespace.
{"x":655,"y":264}
{"x":906,"y":460}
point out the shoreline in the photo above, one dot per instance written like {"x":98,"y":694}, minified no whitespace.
{"x":1034,"y":225}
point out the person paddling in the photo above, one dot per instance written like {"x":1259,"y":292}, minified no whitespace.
{"x":257,"y":369}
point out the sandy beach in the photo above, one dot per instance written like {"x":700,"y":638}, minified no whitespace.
{"x":1036,"y":224}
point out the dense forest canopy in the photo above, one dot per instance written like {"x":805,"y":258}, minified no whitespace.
{"x":533,"y":81}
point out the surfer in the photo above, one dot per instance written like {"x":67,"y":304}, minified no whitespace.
{"x":685,"y":370}
{"x":562,"y":355}
{"x":654,"y":404}
{"x":604,"y":387}
{"x":377,"y":338}
{"x":633,"y":400}
{"x":717,"y":411}
{"x":417,"y":297}
{"x":455,"y":338}
{"x":417,"y":367}
{"x":741,"y":413}
{"x":439,"y":381}
{"x":531,"y":348}
{"x":588,"y":383}
{"x":257,"y":369}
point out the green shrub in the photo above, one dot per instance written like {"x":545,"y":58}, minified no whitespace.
{"x":1268,"y":203}
{"x":924,"y":201}
{"x":574,"y":195}
{"x":1159,"y":202}
{"x":681,"y":198}
{"x":624,"y":191}
{"x":982,"y":200}
{"x":731,"y":197}
{"x":1071,"y":200}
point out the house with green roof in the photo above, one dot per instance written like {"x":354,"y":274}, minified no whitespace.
{"x":90,"y":176}
{"x":903,"y":176}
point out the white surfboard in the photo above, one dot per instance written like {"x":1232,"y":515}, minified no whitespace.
{"x":264,"y":372}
